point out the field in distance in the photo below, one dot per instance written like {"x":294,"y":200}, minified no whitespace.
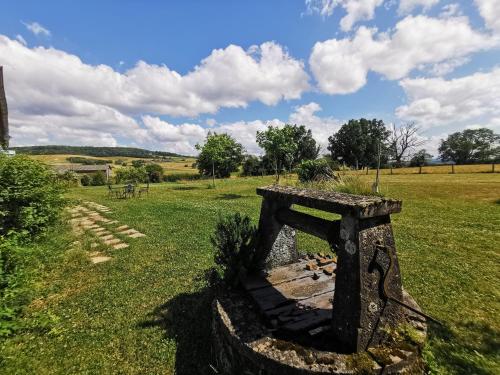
{"x":170,"y":164}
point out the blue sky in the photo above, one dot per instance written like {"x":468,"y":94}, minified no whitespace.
{"x":160,"y":74}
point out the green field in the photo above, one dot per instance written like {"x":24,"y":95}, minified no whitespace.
{"x":147,"y":310}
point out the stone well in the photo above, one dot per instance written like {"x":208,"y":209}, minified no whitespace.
{"x":321,"y":314}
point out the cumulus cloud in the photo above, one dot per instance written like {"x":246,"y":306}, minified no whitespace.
{"x":47,"y":86}
{"x":490,"y":11}
{"x":472,"y":100}
{"x":37,"y":29}
{"x":340,"y":66}
{"x":450,"y":10}
{"x":356,"y":10}
{"x":407,"y":6}
{"x":21,"y":40}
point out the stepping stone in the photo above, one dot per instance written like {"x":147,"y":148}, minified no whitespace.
{"x":123,"y":227}
{"x":104,"y":220}
{"x":112,"y":241}
{"x":119,"y":246}
{"x":91,"y":226}
{"x":107,"y":237}
{"x":137,"y":235}
{"x":128,"y":231}
{"x":100,"y":259}
{"x":93,"y":245}
{"x":98,"y":230}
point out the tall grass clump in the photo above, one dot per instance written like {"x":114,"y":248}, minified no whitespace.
{"x":342,"y":183}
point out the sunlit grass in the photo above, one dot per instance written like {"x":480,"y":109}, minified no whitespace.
{"x":146,"y":311}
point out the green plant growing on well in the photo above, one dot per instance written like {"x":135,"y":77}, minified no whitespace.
{"x":234,"y":242}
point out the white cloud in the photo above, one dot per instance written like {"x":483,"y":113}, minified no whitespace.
{"x":321,"y":127}
{"x":50,"y":89}
{"x":446,"y":67}
{"x":37,"y":29}
{"x":356,"y":10}
{"x":460,"y":102}
{"x":407,"y":6}
{"x":450,"y":10}
{"x":21,"y":40}
{"x":490,"y":11}
{"x":340,"y":66}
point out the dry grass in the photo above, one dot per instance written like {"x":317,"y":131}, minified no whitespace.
{"x":437,"y":169}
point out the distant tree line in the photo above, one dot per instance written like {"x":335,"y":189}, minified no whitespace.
{"x":93,"y":151}
{"x":87,"y":161}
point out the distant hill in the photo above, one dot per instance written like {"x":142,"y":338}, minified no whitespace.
{"x":92,"y":151}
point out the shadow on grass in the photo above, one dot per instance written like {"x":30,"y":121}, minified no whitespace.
{"x":464,"y":353}
{"x":229,"y":196}
{"x":186,"y":188}
{"x":186,"y":318}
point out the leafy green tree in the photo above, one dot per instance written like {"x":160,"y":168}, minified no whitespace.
{"x":131,"y":175}
{"x":280,"y":147}
{"x":155,"y":172}
{"x":252,"y":166}
{"x":356,"y":143}
{"x":470,"y":146}
{"x":420,"y":159}
{"x":219,"y":156}
{"x":307,"y":149}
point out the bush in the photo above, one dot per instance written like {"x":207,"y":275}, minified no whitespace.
{"x":234,"y":242}
{"x":68,"y":178}
{"x":131,"y":175}
{"x":138,"y":163}
{"x":85,"y":180}
{"x":30,"y":196}
{"x":98,"y":179}
{"x":312,"y":170}
{"x":155,"y":172}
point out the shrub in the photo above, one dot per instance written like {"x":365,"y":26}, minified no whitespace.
{"x":68,"y":178}
{"x":30,"y":195}
{"x":234,"y":242}
{"x":85,"y":180}
{"x":311,"y":170}
{"x":343,"y":183}
{"x":155,"y":172}
{"x":131,"y":175}
{"x":138,"y":163}
{"x":98,"y":179}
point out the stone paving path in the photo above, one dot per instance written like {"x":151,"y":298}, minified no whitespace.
{"x":89,"y":218}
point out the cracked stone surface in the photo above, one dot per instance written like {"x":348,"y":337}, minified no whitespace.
{"x":121,"y":245}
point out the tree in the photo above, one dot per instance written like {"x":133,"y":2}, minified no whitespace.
{"x":252,"y":166}
{"x":357,"y":143}
{"x":470,"y":146}
{"x":154,"y":171}
{"x":219,"y":156}
{"x":279,"y":145}
{"x":402,"y":141}
{"x":306,"y":145}
{"x":420,"y":158}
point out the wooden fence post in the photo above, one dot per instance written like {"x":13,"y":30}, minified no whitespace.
{"x":493,"y":168}
{"x":420,"y":169}
{"x":453,"y":168}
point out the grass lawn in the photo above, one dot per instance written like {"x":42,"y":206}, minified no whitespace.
{"x":147,"y":310}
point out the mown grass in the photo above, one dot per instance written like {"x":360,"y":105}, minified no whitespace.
{"x":147,"y":310}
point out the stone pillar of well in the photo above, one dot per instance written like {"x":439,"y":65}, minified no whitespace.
{"x":361,"y":313}
{"x":276,"y":244}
